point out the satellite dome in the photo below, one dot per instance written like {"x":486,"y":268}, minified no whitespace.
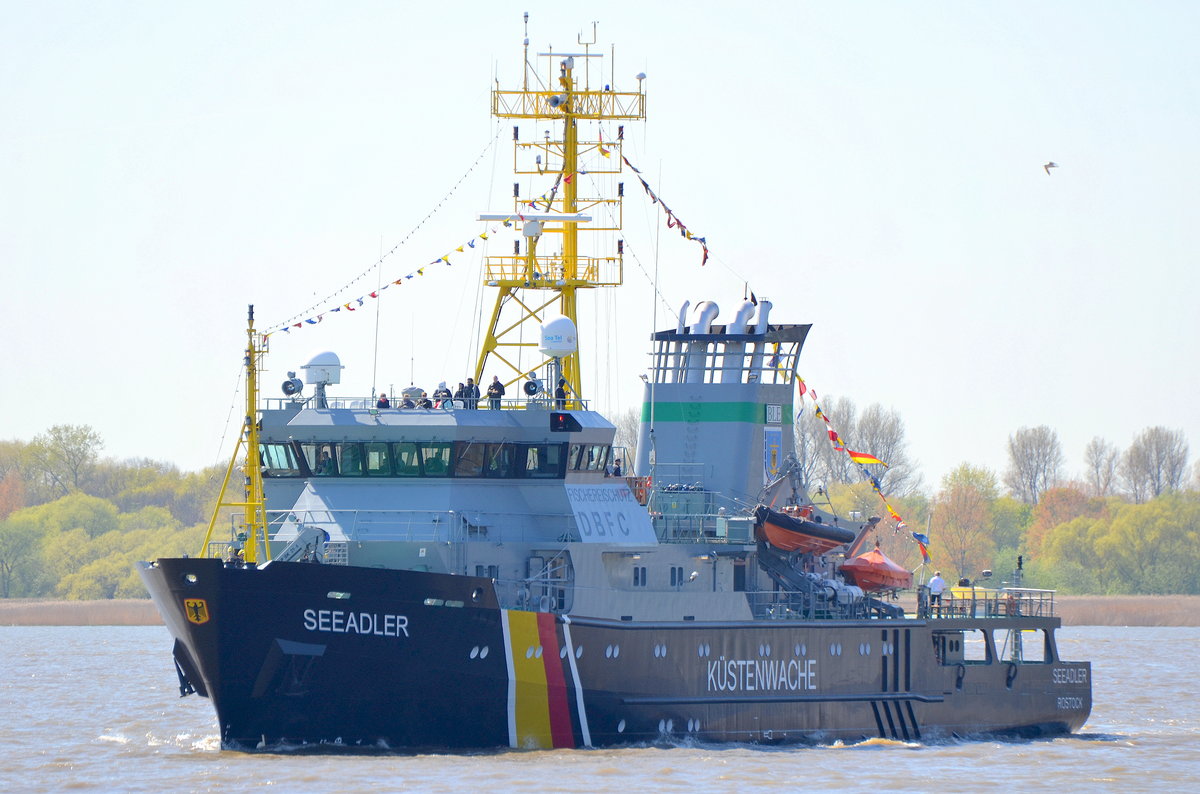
{"x":324,"y":367}
{"x":558,"y":337}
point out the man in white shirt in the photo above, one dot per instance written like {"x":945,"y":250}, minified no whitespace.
{"x":936,"y":585}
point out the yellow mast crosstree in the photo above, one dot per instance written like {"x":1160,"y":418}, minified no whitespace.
{"x":531,"y":283}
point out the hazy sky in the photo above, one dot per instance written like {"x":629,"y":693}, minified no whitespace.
{"x":873,"y":168}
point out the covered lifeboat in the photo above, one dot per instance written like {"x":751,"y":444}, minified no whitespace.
{"x":875,"y":571}
{"x":793,"y":529}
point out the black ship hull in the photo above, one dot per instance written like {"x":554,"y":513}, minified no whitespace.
{"x":342,"y":656}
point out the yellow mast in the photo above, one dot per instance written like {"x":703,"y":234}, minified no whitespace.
{"x":557,"y":275}
{"x":252,"y":532}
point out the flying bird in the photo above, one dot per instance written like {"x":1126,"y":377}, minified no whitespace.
{"x":1048,"y":166}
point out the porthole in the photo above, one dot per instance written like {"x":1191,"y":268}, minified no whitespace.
{"x":335,"y":594}
{"x":562,"y":652}
{"x":608,"y":652}
{"x":768,"y":647}
{"x":483,"y":652}
{"x":621,"y":726}
{"x":475,"y":652}
{"x":537,"y":652}
{"x":529,"y":652}
{"x":477,"y":594}
{"x":578,"y":651}
{"x":662,"y":726}
{"x":670,"y":726}
{"x":616,"y":651}
{"x":867,"y":649}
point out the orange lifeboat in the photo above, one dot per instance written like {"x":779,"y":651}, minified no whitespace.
{"x":875,"y":571}
{"x":793,"y":531}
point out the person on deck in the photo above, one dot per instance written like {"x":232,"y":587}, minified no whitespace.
{"x":424,"y":402}
{"x":383,"y":402}
{"x":441,"y":394}
{"x":560,"y":394}
{"x":471,"y":394}
{"x":495,"y":391}
{"x":937,"y":585}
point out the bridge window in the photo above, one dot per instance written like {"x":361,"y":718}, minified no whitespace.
{"x":406,"y":459}
{"x":321,"y":459}
{"x":351,"y":459}
{"x":415,"y":459}
{"x":499,"y":460}
{"x":435,"y":459}
{"x":545,"y":461}
{"x":596,"y":455}
{"x":378,"y":459}
{"x":279,"y":460}
{"x":468,"y":459}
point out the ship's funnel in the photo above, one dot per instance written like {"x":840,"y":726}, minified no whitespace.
{"x":764,"y":309}
{"x":738,"y":324}
{"x":735,"y":352}
{"x":683,"y":310}
{"x":706,"y":312}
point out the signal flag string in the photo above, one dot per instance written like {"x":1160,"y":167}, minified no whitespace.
{"x":374,"y":265}
{"x":862,"y":459}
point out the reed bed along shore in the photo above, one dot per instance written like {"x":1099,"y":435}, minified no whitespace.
{"x":1077,"y":610}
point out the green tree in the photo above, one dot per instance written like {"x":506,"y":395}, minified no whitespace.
{"x":60,"y":460}
{"x":1153,"y":547}
{"x":961,"y":526}
{"x":18,"y":558}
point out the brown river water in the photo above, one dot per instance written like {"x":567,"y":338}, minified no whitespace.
{"x":96,"y":708}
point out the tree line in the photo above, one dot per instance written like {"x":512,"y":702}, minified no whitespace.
{"x":1128,"y":523}
{"x":73,"y":525}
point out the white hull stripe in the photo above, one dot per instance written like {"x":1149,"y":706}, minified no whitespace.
{"x":585,"y":733}
{"x":512,"y":680}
